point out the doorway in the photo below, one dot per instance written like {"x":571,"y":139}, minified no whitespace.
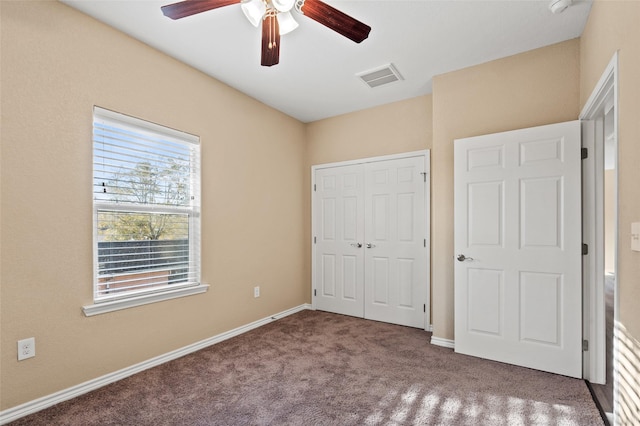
{"x":600,"y":232}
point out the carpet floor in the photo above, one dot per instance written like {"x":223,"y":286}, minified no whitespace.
{"x":317,"y":368}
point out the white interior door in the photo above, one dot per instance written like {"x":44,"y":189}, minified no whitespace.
{"x":395,"y":242}
{"x":371,"y":244}
{"x":339,"y":233}
{"x":518,"y":246}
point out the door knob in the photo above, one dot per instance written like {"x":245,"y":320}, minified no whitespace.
{"x":462,"y":258}
{"x":369,"y":245}
{"x":356,"y":245}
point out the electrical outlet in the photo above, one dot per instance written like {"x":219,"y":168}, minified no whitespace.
{"x":256,"y":291}
{"x":26,"y":348}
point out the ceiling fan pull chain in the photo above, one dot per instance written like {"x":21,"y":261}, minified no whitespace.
{"x":270,"y":19}
{"x":272,"y":44}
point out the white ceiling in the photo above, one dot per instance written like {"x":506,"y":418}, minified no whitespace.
{"x":316,"y":76}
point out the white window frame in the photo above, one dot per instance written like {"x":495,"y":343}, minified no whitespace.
{"x":102,"y":304}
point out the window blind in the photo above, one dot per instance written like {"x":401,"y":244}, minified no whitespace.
{"x":146,"y":196}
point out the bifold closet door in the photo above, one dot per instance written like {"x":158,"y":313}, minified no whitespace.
{"x":395,"y":242}
{"x":339,"y":233}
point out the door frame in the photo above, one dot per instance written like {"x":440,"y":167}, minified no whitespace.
{"x":594,"y":359}
{"x":426,"y":154}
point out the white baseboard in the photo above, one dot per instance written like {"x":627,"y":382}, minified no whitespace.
{"x":446,"y":343}
{"x":36,"y":405}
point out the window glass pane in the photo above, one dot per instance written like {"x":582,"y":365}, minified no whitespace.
{"x":137,"y":168}
{"x":132,"y":226}
{"x":141,"y":251}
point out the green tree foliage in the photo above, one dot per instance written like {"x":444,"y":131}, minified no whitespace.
{"x":147,"y":184}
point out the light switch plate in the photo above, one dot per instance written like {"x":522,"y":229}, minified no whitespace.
{"x":635,"y":236}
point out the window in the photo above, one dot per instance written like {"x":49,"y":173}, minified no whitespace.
{"x":146,"y":205}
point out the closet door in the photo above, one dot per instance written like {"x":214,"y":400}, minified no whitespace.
{"x":339,"y":232}
{"x":396,"y":256}
{"x":371,"y":239}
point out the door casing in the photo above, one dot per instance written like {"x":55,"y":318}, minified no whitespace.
{"x":593,"y":178}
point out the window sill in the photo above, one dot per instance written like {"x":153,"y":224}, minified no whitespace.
{"x":116,"y":305}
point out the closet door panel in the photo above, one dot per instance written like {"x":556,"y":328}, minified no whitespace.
{"x":395,"y":237}
{"x":339,"y":229}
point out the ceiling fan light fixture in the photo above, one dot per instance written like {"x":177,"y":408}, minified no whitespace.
{"x":254,"y":11}
{"x":286,"y":22}
{"x":558,"y":6}
{"x":283,"y":5}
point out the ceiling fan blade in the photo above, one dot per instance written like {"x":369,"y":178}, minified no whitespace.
{"x":192,"y":7}
{"x":332,"y":18}
{"x":270,"y":40}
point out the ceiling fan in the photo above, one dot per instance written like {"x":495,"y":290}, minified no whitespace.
{"x":276,"y":19}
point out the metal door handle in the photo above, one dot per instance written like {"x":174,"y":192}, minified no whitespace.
{"x":356,"y":245}
{"x":462,"y":258}
{"x":369,"y":245}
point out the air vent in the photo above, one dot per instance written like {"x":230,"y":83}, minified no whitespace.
{"x":382,"y":75}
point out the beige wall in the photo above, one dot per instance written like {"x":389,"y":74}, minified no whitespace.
{"x":530,"y":89}
{"x":613,"y":26}
{"x":389,"y":129}
{"x":56,"y":64}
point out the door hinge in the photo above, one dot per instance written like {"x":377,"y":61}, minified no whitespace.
{"x":424,"y":308}
{"x":585,"y":345}
{"x":425,"y":242}
{"x":585,"y":249}
{"x":584,"y":153}
{"x":315,"y":292}
{"x":314,"y":187}
{"x":314,"y":240}
{"x":424,"y":176}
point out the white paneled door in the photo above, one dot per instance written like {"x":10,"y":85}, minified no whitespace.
{"x":518,"y":287}
{"x":371,"y":243}
{"x":395,"y":242}
{"x":339,"y":260}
